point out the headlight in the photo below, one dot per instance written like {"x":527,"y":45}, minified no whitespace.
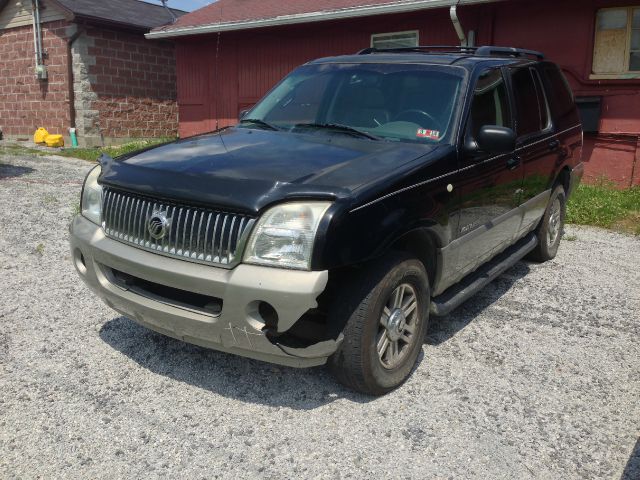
{"x":285,"y":234}
{"x":91,"y":203}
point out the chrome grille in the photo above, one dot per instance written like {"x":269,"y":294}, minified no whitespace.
{"x":196,"y":234}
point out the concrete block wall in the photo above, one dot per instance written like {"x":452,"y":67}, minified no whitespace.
{"x":27,"y":103}
{"x":124,"y":85}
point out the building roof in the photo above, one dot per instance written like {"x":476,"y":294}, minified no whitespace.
{"x":130,"y":13}
{"x":226,"y":15}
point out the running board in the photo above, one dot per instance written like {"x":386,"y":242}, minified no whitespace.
{"x":459,"y":293}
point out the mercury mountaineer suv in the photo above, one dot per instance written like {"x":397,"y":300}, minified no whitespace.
{"x":362,"y":195}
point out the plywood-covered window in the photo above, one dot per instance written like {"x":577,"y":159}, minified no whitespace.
{"x":395,"y":39}
{"x":617,"y":43}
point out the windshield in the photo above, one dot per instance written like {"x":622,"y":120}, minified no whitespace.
{"x":390,"y":101}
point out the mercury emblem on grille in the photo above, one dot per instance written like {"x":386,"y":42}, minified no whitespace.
{"x":158,"y":225}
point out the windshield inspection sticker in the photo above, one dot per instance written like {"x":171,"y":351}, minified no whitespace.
{"x":432,"y":134}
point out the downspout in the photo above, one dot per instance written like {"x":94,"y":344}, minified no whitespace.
{"x":70,"y":79}
{"x":456,"y":24}
{"x":37,"y":45}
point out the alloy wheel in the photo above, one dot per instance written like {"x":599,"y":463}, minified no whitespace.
{"x":397,"y":327}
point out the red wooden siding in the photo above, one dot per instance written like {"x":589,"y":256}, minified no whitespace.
{"x":214,"y":87}
{"x":250,"y":63}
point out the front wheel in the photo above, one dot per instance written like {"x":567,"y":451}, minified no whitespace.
{"x":386,"y":315}
{"x":549,"y":232}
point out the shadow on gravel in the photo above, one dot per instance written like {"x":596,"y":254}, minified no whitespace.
{"x":263,"y":383}
{"x":632,"y":470}
{"x":12,"y":171}
{"x":225,"y":374}
{"x":443,"y":328}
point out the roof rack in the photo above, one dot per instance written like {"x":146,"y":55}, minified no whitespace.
{"x":486,"y":51}
{"x":420,"y":49}
{"x":508,"y":52}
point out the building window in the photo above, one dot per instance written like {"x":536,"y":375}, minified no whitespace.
{"x":617,"y":44}
{"x":395,"y":39}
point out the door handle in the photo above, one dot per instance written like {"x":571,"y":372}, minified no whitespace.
{"x":554,"y":144}
{"x":513,"y":163}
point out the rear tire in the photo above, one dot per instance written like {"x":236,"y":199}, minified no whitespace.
{"x":385,"y":310}
{"x":551,"y":227}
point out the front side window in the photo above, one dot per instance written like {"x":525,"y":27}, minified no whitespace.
{"x":489,"y":105}
{"x":413,"y":103}
{"x":617,"y":42}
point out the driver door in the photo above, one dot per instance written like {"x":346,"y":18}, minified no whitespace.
{"x":489,"y":186}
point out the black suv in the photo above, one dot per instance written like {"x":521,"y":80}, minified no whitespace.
{"x":361,"y":195}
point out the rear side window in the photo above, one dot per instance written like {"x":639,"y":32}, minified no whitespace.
{"x":559,"y":93}
{"x":531,"y":110}
{"x":543,"y":108}
{"x":490,"y":105}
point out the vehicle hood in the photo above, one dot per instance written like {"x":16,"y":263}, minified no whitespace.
{"x":247,"y":169}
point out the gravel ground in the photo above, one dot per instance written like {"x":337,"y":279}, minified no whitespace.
{"x":536,"y":377}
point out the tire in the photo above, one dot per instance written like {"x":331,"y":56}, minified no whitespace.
{"x":370,"y":301}
{"x":549,"y":232}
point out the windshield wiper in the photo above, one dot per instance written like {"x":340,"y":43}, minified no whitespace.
{"x":338,"y":127}
{"x":257,"y":121}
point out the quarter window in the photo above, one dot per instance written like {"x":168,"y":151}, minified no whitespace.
{"x":561,"y":97}
{"x":490,"y":106}
{"x":617,"y":42}
{"x":395,"y":39}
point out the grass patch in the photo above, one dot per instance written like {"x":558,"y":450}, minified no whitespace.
{"x":89,"y":154}
{"x":605,"y":206}
{"x":20,"y":150}
{"x":92,"y":154}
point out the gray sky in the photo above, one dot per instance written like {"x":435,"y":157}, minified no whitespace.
{"x":187,"y":5}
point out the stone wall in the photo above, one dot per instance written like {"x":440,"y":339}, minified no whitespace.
{"x":124,"y":85}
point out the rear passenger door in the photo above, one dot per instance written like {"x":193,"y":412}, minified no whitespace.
{"x":537,"y":148}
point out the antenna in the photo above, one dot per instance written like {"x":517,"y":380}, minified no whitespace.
{"x":173,"y":16}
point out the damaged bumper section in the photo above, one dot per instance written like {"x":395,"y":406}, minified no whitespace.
{"x":230,"y":310}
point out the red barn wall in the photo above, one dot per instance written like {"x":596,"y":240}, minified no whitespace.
{"x":220,"y":75}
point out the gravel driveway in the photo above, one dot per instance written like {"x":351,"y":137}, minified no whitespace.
{"x":536,"y":377}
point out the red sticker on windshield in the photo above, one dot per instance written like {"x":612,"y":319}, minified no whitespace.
{"x":432,"y":134}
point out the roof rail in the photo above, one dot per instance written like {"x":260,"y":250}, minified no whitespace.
{"x":488,"y":51}
{"x":420,"y":49}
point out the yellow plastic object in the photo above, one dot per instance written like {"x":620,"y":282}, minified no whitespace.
{"x":40,"y":135}
{"x":54,"y":141}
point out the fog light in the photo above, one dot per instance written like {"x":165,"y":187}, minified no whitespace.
{"x":262,"y":316}
{"x":268,"y":314}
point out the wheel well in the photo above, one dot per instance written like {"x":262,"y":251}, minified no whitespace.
{"x":422,"y":246}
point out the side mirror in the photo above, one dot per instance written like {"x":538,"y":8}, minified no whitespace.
{"x":496,"y":140}
{"x":242,"y":114}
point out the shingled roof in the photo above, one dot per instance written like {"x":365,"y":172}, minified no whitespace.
{"x":130,"y":13}
{"x":225,"y":15}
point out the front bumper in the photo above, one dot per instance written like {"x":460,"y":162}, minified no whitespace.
{"x":237,"y":328}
